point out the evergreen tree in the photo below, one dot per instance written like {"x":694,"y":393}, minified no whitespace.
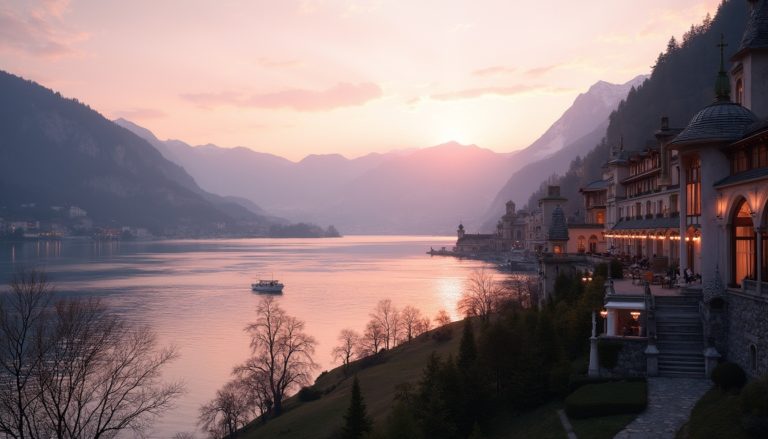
{"x":467,"y":349}
{"x":356,"y":421}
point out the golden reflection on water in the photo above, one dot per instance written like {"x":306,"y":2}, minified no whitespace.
{"x":196,"y":294}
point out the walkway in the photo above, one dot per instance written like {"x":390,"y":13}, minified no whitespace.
{"x":670,"y":401}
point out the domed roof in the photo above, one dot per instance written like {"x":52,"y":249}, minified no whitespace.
{"x":723,"y":121}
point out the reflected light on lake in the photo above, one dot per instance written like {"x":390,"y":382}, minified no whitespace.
{"x":196,"y":294}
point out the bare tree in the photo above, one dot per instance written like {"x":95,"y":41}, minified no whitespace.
{"x":24,"y":316}
{"x":388,"y":318}
{"x":371,"y":340}
{"x":442,"y":318}
{"x":280,"y":350}
{"x":229,"y":411}
{"x":482,"y":295}
{"x":522,"y":290}
{"x":411,"y":321}
{"x":89,"y":374}
{"x":102,"y":375}
{"x":424,"y":325}
{"x":345,"y":350}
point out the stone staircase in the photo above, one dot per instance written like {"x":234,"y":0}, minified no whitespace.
{"x":679,"y":335}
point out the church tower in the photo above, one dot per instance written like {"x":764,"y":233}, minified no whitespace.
{"x":460,"y":231}
{"x":749,"y":75}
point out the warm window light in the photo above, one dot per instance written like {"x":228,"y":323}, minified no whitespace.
{"x":635,"y":314}
{"x":603,"y":313}
{"x":720,"y":206}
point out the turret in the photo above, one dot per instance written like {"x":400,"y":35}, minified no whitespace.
{"x":460,"y":231}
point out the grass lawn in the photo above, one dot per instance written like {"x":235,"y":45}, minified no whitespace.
{"x":607,"y":399}
{"x":716,"y":415}
{"x":603,"y":427}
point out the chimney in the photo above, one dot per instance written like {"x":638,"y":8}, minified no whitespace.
{"x":664,"y":123}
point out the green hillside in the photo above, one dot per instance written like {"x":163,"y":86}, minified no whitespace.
{"x":323,"y":417}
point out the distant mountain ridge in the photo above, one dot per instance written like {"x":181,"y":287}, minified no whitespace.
{"x":575,"y":133}
{"x":682,"y":83}
{"x":425,"y":190}
{"x":58,"y":152}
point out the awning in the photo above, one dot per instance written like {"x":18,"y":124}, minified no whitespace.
{"x":624,"y":305}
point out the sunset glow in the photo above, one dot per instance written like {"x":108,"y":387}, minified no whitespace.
{"x":323,"y":76}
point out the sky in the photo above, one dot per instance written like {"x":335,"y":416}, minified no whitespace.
{"x":299,"y":77}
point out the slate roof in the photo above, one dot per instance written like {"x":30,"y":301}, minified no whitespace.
{"x":650,"y":223}
{"x":751,"y":174}
{"x":558,"y":231}
{"x":756,"y":33}
{"x":722,"y":121}
{"x":595,"y":186}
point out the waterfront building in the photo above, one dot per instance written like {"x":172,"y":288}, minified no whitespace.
{"x":697,"y":199}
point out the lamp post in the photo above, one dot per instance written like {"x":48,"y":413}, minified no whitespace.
{"x":604,"y":315}
{"x":594,"y":367}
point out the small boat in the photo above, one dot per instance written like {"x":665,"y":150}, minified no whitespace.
{"x":268,"y":286}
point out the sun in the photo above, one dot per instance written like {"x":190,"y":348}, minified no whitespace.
{"x":453,"y":132}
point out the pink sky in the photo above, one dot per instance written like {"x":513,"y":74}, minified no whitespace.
{"x":298,"y":77}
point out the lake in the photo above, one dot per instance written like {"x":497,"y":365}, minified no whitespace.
{"x":196,"y":293}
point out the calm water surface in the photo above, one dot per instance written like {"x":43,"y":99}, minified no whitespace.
{"x":196,"y":294}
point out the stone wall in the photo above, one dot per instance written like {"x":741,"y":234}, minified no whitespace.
{"x":748,"y":326}
{"x":631,"y":358}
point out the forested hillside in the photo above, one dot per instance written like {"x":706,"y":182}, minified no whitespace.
{"x":682,"y":82}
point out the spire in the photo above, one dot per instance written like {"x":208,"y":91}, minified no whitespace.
{"x":722,"y":84}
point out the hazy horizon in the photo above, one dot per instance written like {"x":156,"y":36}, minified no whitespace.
{"x":307,"y":77}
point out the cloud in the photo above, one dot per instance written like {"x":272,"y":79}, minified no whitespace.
{"x":513,"y":90}
{"x":37,"y":30}
{"x":494,"y":70}
{"x":340,"y":95}
{"x":541,"y":71}
{"x":484,"y":91}
{"x":140,"y":114}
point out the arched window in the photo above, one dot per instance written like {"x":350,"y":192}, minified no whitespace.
{"x":593,"y":244}
{"x":581,"y":244}
{"x":739,"y":91}
{"x":743,"y":231}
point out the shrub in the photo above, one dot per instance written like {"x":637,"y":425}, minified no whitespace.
{"x":729,"y":377}
{"x":307,"y":394}
{"x":607,"y":399}
{"x":581,"y":380}
{"x":608,"y":353}
{"x":754,"y":407}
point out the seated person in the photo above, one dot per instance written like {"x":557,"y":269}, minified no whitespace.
{"x":688,"y":275}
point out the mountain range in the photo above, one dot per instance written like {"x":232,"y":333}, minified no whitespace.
{"x":57,"y":152}
{"x":574,"y":134}
{"x":428,"y":190}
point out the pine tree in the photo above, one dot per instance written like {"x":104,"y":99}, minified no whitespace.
{"x":356,"y":421}
{"x":467,"y":349}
